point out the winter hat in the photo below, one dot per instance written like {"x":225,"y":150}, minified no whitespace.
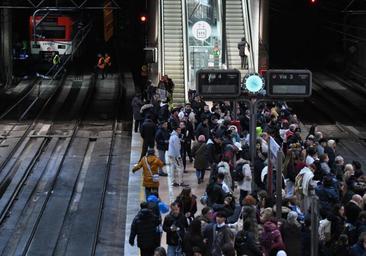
{"x":201,"y":138}
{"x":258,"y":130}
{"x":152,"y":198}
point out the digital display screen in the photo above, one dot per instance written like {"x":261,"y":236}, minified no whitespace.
{"x":289,"y":89}
{"x":216,"y":83}
{"x":289,"y":83}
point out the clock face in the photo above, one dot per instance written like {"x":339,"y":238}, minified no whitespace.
{"x":253,"y":83}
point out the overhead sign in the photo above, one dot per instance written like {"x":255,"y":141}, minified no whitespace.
{"x":108,"y":20}
{"x":218,"y":83}
{"x":289,"y":83}
{"x":201,"y":30}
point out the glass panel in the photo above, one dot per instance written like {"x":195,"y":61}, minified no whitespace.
{"x":50,"y":32}
{"x":204,"y":36}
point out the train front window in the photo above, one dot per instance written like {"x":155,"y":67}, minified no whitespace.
{"x":50,"y":32}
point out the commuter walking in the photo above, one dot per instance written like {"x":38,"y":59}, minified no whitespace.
{"x":136,"y":107}
{"x":148,"y":130}
{"x":108,"y":64}
{"x":150,"y":165}
{"x":216,"y":235}
{"x":144,"y":226}
{"x":100,"y":68}
{"x":199,"y":151}
{"x":244,"y":48}
{"x":175,"y":159}
{"x":162,"y":142}
{"x":174,"y":225}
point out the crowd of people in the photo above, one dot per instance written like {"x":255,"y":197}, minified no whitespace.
{"x":238,"y":214}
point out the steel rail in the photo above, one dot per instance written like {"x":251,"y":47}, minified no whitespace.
{"x":4,"y":181}
{"x":73,"y":136}
{"x":28,"y":130}
{"x":108,"y":167}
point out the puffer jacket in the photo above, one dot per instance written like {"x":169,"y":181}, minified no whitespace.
{"x":144,"y":226}
{"x":154,"y":163}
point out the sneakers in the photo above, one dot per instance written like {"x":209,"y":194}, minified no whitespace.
{"x":163,"y":174}
{"x":175,"y":184}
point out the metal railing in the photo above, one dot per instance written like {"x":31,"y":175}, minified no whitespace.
{"x":185,"y":48}
{"x":247,"y":16}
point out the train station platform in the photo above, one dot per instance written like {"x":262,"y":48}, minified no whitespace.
{"x":167,"y":193}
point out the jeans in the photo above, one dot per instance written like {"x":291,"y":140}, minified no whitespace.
{"x":162,"y":158}
{"x":174,"y":250}
{"x":200,"y":173}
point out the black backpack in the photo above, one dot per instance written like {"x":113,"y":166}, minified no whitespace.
{"x":237,"y":174}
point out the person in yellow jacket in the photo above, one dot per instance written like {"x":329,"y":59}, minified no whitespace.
{"x":150,"y":165}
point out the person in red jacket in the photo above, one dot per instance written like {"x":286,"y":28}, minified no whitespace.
{"x":100,"y":68}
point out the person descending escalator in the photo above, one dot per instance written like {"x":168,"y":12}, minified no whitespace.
{"x":100,"y":68}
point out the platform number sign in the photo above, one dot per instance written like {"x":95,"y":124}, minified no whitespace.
{"x":216,"y":83}
{"x":289,"y":83}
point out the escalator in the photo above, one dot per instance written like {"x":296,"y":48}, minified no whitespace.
{"x":172,"y":46}
{"x":235,"y":30}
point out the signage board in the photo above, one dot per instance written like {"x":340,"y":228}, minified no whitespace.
{"x":289,"y":83}
{"x":218,"y":83}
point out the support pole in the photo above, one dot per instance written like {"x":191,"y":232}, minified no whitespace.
{"x":6,"y":53}
{"x":269,"y":170}
{"x":314,"y":226}
{"x":252,"y":134}
{"x":279,"y":185}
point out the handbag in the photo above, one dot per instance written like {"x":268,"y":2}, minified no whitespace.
{"x":155,"y":177}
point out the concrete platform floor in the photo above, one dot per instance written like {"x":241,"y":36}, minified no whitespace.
{"x":167,"y":193}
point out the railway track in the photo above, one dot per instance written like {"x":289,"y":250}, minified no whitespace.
{"x":71,"y":174}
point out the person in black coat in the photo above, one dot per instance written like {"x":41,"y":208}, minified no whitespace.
{"x":194,"y":238}
{"x":174,"y":225}
{"x":164,"y":112}
{"x":245,"y":242}
{"x":148,"y":130}
{"x":136,"y":106}
{"x":162,"y":142}
{"x":203,"y":129}
{"x":144,"y":226}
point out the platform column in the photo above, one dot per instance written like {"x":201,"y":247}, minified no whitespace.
{"x":6,"y":54}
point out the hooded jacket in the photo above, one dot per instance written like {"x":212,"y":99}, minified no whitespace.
{"x":271,"y":238}
{"x":144,"y":226}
